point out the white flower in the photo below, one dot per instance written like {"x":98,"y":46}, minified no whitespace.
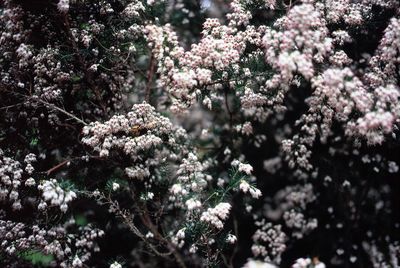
{"x":64,"y":207}
{"x":215,"y":215}
{"x":192,"y":204}
{"x":30,"y":182}
{"x":207,"y":103}
{"x":246,"y":168}
{"x":150,"y":196}
{"x":96,"y":193}
{"x":255,"y":193}
{"x":301,"y":263}
{"x":244,"y":186}
{"x":176,"y":189}
{"x":42,"y":205}
{"x":77,"y":262}
{"x":235,"y":163}
{"x":258,"y":264}
{"x":181,"y":233}
{"x":149,"y":235}
{"x":221,"y":182}
{"x":193,"y":249}
{"x":231,"y":239}
{"x":115,"y":265}
{"x":222,"y":210}
{"x":53,"y":193}
{"x":393,"y":167}
{"x":93,"y":67}
{"x":63,"y":6}
{"x":115,"y":186}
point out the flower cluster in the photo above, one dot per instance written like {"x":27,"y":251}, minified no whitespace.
{"x":219,"y":50}
{"x":18,"y":236}
{"x":55,"y":195}
{"x":216,"y":215}
{"x":183,"y":127}
{"x":21,"y":190}
{"x":141,"y":130}
{"x":11,"y":179}
{"x":307,"y":262}
{"x":269,"y":242}
{"x":301,"y":38}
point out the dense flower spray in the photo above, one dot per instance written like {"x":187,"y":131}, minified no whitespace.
{"x":243,"y":133}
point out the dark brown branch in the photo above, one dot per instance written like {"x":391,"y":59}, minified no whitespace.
{"x":149,"y":224}
{"x":150,"y":78}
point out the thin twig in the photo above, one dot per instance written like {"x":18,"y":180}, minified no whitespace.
{"x":136,"y":231}
{"x":235,"y":249}
{"x":128,"y":221}
{"x":51,"y":106}
{"x":150,"y":78}
{"x":147,"y":221}
{"x":62,"y":111}
{"x":66,"y":161}
{"x":228,"y":109}
{"x":10,"y":106}
{"x":82,"y":62}
{"x":48,"y":172}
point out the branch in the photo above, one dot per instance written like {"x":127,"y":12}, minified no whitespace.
{"x":62,"y":111}
{"x":228,"y":109}
{"x":147,"y":221}
{"x":49,"y":105}
{"x":48,"y":172}
{"x":150,"y":78}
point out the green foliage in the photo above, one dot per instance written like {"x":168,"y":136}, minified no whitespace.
{"x":194,"y":230}
{"x":34,"y":141}
{"x":81,"y":220}
{"x":109,"y":184}
{"x":37,"y":258}
{"x":67,"y":185}
{"x":76,"y":78}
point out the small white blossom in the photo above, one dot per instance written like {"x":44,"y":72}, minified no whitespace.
{"x":115,"y":265}
{"x":231,"y":239}
{"x":258,"y":264}
{"x":63,"y":6}
{"x":77,"y":262}
{"x":115,"y":186}
{"x":192,"y":204}
{"x":53,"y":193}
{"x":246,"y":168}
{"x":244,"y":186}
